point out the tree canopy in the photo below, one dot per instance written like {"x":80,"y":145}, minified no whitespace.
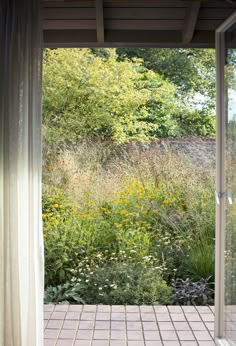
{"x":110,"y":95}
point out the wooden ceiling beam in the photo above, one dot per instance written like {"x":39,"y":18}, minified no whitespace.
{"x":190,"y":21}
{"x":100,"y":20}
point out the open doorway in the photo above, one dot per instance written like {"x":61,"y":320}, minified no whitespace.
{"x":129,"y":175}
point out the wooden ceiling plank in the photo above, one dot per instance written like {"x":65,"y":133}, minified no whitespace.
{"x":68,"y":13}
{"x":190,"y":21}
{"x":70,"y":24}
{"x":143,"y":13}
{"x":215,"y":13}
{"x":100,"y":21}
{"x":143,"y":24}
{"x":122,"y":38}
{"x":136,"y":4}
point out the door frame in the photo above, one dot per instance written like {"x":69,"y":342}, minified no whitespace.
{"x":220,"y":182}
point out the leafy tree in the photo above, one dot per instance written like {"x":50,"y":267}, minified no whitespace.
{"x":191,"y":70}
{"x":87,"y":95}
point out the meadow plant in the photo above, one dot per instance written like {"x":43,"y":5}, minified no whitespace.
{"x":108,"y":208}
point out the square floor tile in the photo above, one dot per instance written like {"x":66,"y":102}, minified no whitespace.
{"x":75,"y":307}
{"x":146,"y":308}
{"x":58,"y":315}
{"x":148,"y":316}
{"x":189,"y":343}
{"x":203,"y":309}
{"x":69,"y":324}
{"x":166,"y":325}
{"x":47,"y":315}
{"x":208,"y":317}
{"x":48,"y":307}
{"x":134,"y":335}
{"x":151,"y":335}
{"x":103,"y":308}
{"x":168,"y":335}
{"x":117,"y":308}
{"x":163,"y":317}
{"x":118,"y":325}
{"x":135,"y":325}
{"x":67,"y":334}
{"x":181,"y":326}
{"x":86,"y":324}
{"x":118,"y":334}
{"x":150,"y":326}
{"x":87,"y":316}
{"x":153,"y":343}
{"x":192,"y":317}
{"x":72,"y":315}
{"x":90,"y":308}
{"x":54,"y":324}
{"x":118,"y":316}
{"x":175,"y":309}
{"x":177,"y":317}
{"x":103,"y":316}
{"x":61,"y":307}
{"x":51,"y":333}
{"x":186,"y":335}
{"x":189,"y":309}
{"x":132,"y":308}
{"x":202,"y":335}
{"x":171,"y":343}
{"x":197,"y":325}
{"x":84,"y":334}
{"x":102,"y":324}
{"x":101,"y":335}
{"x":161,"y":309}
{"x":132,"y":316}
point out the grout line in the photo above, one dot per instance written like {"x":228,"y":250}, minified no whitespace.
{"x":212,"y":339}
{"x":196,"y":311}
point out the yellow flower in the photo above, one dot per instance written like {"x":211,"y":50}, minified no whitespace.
{"x":167,"y":201}
{"x":123,"y":212}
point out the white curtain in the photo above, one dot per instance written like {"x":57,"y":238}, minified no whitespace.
{"x":21,"y":241}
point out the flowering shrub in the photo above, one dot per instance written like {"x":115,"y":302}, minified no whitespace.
{"x":116,"y":279}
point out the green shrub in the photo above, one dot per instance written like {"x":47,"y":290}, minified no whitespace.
{"x":101,"y":279}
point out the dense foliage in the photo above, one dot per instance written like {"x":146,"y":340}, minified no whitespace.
{"x":192,"y":71}
{"x":99,"y":95}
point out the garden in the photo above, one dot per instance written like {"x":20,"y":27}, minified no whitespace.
{"x":128,"y":218}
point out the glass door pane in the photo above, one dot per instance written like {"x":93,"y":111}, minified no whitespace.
{"x":230,"y":185}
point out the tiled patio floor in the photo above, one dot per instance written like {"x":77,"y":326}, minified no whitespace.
{"x":103,"y":325}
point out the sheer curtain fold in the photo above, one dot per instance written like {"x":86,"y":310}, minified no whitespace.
{"x":21,"y":240}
